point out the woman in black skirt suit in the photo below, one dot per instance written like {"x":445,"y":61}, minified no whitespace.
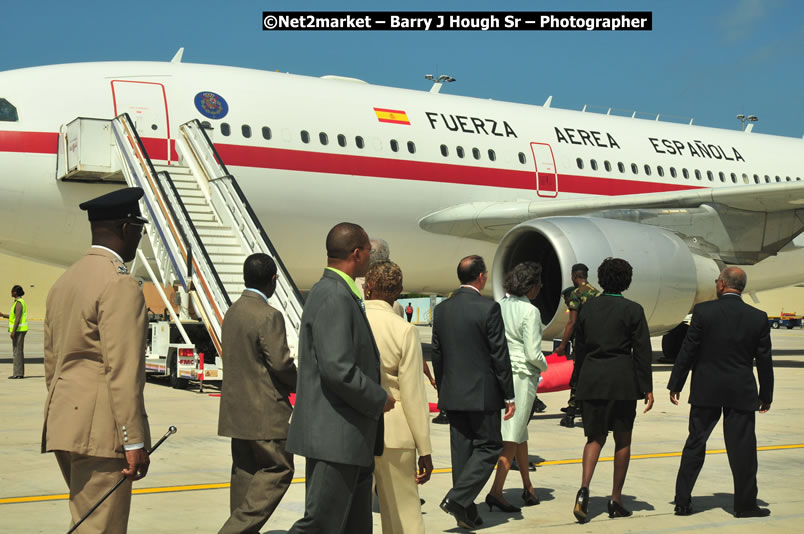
{"x":613,"y":370}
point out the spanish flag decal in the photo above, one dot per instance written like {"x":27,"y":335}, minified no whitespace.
{"x":394,"y":116}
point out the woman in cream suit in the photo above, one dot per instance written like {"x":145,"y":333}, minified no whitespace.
{"x":523,"y":332}
{"x":407,"y":429}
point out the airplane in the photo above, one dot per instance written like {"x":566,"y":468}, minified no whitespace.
{"x":438,"y":176}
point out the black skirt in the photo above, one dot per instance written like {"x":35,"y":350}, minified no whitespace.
{"x":602,"y":415}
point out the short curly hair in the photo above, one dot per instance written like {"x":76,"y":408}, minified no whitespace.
{"x":521,"y":278}
{"x":385,"y":277}
{"x":614,"y":275}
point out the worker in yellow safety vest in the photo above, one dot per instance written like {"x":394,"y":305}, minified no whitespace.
{"x":18,"y":327}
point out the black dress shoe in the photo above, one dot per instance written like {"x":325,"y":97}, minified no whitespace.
{"x":683,"y":509}
{"x":754,"y":512}
{"x":459,"y":513}
{"x":617,"y":510}
{"x":529,"y":498}
{"x":493,"y":501}
{"x":474,"y":515}
{"x":441,"y":418}
{"x":567,"y":421}
{"x":539,"y":406}
{"x":581,"y":505}
{"x":14,"y":377}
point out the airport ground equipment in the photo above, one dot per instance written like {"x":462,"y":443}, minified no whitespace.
{"x":201,"y":229}
{"x":787,"y":320}
{"x":170,"y":432}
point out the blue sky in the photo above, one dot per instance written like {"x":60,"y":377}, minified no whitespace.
{"x":704,"y":59}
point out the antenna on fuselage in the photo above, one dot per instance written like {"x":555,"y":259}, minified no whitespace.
{"x":177,"y":57}
{"x":438,"y":82}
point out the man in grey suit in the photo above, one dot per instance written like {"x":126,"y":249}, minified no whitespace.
{"x":255,"y":410}
{"x":337,"y":421}
{"x":473,"y":376}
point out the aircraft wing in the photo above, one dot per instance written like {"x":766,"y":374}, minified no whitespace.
{"x":489,"y":221}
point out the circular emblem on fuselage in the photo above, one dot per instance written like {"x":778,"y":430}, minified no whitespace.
{"x":211,"y":105}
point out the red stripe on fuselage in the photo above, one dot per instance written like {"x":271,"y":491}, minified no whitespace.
{"x":368,"y":166}
{"x":30,"y":142}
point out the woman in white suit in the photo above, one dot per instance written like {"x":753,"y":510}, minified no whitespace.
{"x":523,"y":332}
{"x":407,"y":424}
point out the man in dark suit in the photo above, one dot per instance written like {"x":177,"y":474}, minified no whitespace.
{"x":473,"y":376}
{"x":255,"y":410}
{"x":724,"y":338}
{"x":337,"y":420}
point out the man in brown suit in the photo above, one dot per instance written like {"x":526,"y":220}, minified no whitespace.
{"x":95,"y":329}
{"x":255,"y":409}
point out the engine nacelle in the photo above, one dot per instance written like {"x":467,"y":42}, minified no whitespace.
{"x":668,"y":279}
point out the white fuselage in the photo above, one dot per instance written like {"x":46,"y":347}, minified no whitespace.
{"x":301,"y":189}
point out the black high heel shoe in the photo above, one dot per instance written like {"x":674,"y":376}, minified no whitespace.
{"x":581,"y":504}
{"x":616,"y":509}
{"x":493,"y":501}
{"x":529,"y":498}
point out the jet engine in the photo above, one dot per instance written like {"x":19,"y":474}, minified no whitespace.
{"x":668,"y":278}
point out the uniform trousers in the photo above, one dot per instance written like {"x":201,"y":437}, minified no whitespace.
{"x":741,"y":448}
{"x":475,"y":445}
{"x":89,"y":478}
{"x":261,"y":474}
{"x":400,"y":508}
{"x":337,"y":499}
{"x":18,"y":346}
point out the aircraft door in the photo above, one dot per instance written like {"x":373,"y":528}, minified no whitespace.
{"x":146,"y":104}
{"x":546,"y":174}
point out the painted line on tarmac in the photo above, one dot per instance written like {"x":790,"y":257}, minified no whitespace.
{"x":224,"y":485}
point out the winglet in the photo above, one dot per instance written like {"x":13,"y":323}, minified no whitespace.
{"x":548,"y":101}
{"x":177,"y":57}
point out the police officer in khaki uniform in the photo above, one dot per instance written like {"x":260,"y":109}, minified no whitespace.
{"x":95,"y":328}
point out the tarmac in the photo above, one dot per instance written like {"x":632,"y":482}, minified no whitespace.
{"x":186,"y":489}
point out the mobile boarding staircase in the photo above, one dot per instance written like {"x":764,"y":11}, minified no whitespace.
{"x":201,"y":229}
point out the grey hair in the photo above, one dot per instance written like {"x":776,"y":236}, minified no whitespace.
{"x":734,"y":278}
{"x":379,"y":251}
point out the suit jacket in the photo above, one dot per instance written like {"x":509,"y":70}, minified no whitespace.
{"x":469,"y":353}
{"x":339,"y":399}
{"x":724,"y":338}
{"x":407,"y":424}
{"x":260,"y":374}
{"x":612,"y":350}
{"x":95,"y":329}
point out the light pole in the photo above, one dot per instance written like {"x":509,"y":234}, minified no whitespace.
{"x":743,"y":119}
{"x":438,"y":82}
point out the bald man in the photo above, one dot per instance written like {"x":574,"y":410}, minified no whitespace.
{"x":337,"y":419}
{"x":725,"y":337}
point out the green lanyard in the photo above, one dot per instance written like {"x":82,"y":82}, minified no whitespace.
{"x":613,"y":294}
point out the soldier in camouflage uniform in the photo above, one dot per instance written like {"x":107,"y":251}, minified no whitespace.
{"x":575,"y":300}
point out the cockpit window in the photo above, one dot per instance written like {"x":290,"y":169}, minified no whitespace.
{"x":8,"y":112}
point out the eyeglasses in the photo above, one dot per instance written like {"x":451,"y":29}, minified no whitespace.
{"x":136,"y":224}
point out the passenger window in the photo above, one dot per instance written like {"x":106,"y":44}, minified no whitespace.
{"x":710,"y":176}
{"x":607,"y":165}
{"x":206,"y":125}
{"x":660,"y":170}
{"x":359,"y":142}
{"x":394,"y":145}
{"x":305,"y":136}
{"x":593,"y":164}
{"x":8,"y":113}
{"x":778,"y":179}
{"x":522,"y":158}
{"x":697,"y":174}
{"x":756,"y":178}
{"x":621,"y":167}
{"x":634,"y":168}
{"x":322,"y":137}
{"x":342,"y":140}
{"x":685,"y":173}
{"x":767,"y":179}
{"x":492,"y":155}
{"x":444,"y":151}
{"x":647,"y":170}
{"x":225,"y":130}
{"x":266,"y":133}
{"x":733,"y":178}
{"x":673,"y":172}
{"x":722,"y":176}
{"x":246,"y":130}
{"x":579,"y":162}
{"x":745,"y":178}
{"x":459,"y":151}
{"x":411,"y":147}
{"x":787,"y":178}
{"x":476,"y":153}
